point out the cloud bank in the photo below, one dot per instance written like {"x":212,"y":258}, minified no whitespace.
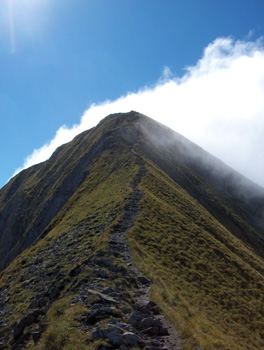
{"x":218,"y":104}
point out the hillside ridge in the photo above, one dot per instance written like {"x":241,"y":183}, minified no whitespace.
{"x":131,"y":236}
{"x":141,"y":318}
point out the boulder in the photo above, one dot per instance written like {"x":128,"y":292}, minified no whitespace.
{"x":148,"y":322}
{"x":97,"y":334}
{"x":131,"y":339}
{"x":153,"y":307}
{"x":115,"y":339}
{"x":152,"y":331}
{"x":144,"y":280}
{"x":134,"y":319}
{"x":36,"y":336}
{"x":107,"y":290}
{"x":101,"y":273}
{"x":26,"y":321}
{"x":102,"y":262}
{"x":113,"y":333}
{"x":111,"y":329}
{"x":103,"y":296}
{"x":142,"y":309}
{"x":99,"y":314}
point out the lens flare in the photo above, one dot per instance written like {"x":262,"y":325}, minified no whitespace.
{"x":11,"y":26}
{"x":26,"y":20}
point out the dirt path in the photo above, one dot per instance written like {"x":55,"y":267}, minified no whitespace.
{"x":159,"y":334}
{"x":119,"y":314}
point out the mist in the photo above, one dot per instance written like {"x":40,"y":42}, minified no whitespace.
{"x":218,"y":104}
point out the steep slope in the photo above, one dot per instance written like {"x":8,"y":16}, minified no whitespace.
{"x":195,"y":228}
{"x":209,"y":283}
{"x":226,"y":194}
{"x":32,"y":199}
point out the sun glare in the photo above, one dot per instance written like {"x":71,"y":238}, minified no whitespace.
{"x":25,"y":20}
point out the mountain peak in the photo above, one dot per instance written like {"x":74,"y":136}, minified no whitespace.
{"x":131,"y":191}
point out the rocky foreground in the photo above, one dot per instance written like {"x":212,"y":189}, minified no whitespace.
{"x":141,"y":325}
{"x":120,"y":314}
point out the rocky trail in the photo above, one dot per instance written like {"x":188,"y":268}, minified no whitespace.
{"x":142,"y":324}
{"x":120,"y":313}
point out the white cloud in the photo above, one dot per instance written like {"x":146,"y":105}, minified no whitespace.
{"x":218,"y":103}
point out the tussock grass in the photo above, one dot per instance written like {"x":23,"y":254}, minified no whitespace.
{"x":208,"y":282}
{"x":64,"y":330}
{"x":80,"y":229}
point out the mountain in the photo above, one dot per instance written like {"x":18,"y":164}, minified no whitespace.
{"x":129,"y":207}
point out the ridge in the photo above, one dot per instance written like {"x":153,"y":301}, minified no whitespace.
{"x":131,"y":236}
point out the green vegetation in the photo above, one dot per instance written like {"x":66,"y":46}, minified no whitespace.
{"x":211,"y":285}
{"x":200,"y":253}
{"x":63,"y":331}
{"x":32,"y":199}
{"x":77,"y":232}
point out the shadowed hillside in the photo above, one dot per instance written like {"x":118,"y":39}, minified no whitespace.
{"x":127,"y":197}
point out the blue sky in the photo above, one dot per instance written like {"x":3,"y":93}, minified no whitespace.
{"x":60,"y":57}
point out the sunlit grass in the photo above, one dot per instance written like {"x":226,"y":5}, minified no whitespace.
{"x":64,"y":330}
{"x":208,"y":283}
{"x":83,"y":223}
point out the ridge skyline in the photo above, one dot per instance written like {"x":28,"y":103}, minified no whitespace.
{"x":131,"y":236}
{"x":100,"y":120}
{"x":216,"y":103}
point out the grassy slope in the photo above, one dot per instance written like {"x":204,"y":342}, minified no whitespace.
{"x":34,"y":197}
{"x":211,"y":285}
{"x":229,"y":207}
{"x":79,"y":229}
{"x":208,"y":282}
